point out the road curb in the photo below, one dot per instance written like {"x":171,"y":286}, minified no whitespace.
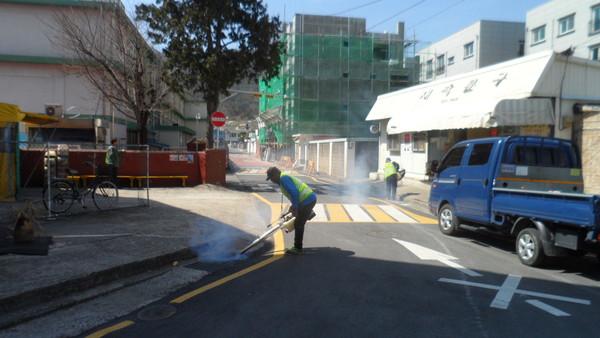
{"x":21,"y":307}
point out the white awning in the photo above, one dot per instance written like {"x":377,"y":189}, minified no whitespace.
{"x":504,"y":91}
{"x":481,"y":114}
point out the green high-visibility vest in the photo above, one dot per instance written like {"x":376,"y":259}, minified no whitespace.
{"x":303,"y":189}
{"x":389,"y":169}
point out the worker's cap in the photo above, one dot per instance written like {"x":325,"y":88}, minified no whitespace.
{"x":271,"y":172}
{"x":388,"y":159}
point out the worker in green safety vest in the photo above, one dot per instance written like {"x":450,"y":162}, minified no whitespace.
{"x":390,"y":172}
{"x":303,"y":201}
{"x":113,"y":160}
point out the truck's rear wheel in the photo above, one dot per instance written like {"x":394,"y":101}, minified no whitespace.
{"x":447,"y":221}
{"x":529,"y":247}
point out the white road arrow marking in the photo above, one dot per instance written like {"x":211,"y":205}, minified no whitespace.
{"x":509,"y":288}
{"x":428,"y":254}
{"x":506,"y":292}
{"x":543,"y":306}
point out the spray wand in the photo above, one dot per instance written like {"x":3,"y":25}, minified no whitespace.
{"x":282,"y":216}
{"x":288,"y":223}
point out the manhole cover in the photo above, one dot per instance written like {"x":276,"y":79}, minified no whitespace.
{"x":384,"y":234}
{"x":157,"y":312}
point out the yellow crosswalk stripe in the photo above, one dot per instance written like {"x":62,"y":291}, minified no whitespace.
{"x":337,"y":213}
{"x":378,"y":214}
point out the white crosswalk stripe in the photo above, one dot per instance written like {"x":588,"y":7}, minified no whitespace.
{"x":319,"y":209}
{"x":357,"y":213}
{"x":360,"y":213}
{"x":396,"y":214}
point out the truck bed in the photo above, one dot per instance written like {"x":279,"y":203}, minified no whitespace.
{"x":577,"y":209}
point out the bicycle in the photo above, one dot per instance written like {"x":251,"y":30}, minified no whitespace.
{"x":62,"y":193}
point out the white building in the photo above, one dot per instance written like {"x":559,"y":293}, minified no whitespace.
{"x":532,"y":95}
{"x":559,"y":25}
{"x":481,"y":44}
{"x":36,"y":76}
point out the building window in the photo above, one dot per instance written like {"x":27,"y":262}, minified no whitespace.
{"x":451,"y":60}
{"x":566,"y":25}
{"x":381,"y":52}
{"x":419,"y":140}
{"x":538,"y":35}
{"x":595,"y":52}
{"x":441,"y":66}
{"x":393,"y":142}
{"x":397,"y":81}
{"x":469,"y":50}
{"x":429,"y":71}
{"x":595,"y":27}
{"x":521,"y":51}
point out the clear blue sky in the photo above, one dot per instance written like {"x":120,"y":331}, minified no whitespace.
{"x":425,"y":20}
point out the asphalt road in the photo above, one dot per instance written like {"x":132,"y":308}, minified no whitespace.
{"x":372,"y":277}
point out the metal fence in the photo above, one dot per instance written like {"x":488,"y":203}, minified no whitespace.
{"x":32,"y":172}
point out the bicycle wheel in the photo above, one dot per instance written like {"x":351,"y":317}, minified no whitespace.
{"x":61,"y":195}
{"x":105,"y":195}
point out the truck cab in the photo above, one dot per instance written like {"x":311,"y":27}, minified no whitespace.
{"x":463,"y":179}
{"x":516,"y":183}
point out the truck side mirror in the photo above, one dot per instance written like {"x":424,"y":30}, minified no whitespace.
{"x":434,"y":166}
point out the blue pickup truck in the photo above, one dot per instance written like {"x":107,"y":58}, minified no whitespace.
{"x":527,"y":187}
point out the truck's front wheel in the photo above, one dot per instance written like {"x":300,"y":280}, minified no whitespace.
{"x":529,"y":247}
{"x":447,"y":221}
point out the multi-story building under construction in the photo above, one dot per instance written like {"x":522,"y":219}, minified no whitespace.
{"x":332,"y":72}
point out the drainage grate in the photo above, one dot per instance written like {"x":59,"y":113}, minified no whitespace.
{"x":157,"y":312}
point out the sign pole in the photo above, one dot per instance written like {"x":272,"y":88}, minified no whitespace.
{"x":218,"y":120}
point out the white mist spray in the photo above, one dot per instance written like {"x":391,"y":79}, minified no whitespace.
{"x":218,"y":243}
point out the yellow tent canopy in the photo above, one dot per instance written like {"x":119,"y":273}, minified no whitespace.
{"x":12,"y":113}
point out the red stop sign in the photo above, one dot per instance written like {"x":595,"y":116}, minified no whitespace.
{"x":218,"y":119}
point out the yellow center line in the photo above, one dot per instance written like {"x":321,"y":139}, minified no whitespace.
{"x":111,"y":329}
{"x":278,"y":253}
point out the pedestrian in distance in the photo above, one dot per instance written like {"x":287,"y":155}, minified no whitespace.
{"x":390,"y":171}
{"x":113,"y":160}
{"x":303,"y":201}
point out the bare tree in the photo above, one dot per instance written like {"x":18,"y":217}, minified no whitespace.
{"x":106,"y":47}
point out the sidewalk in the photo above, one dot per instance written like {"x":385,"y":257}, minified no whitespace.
{"x":96,"y":248}
{"x":100,"y":252}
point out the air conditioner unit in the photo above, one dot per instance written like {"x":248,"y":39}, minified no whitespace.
{"x":53,"y":109}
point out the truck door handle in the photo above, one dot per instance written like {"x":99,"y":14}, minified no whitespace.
{"x":485,"y":182}
{"x":457,"y":181}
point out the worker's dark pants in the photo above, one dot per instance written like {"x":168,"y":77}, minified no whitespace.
{"x":391,"y":183}
{"x":113,"y":172}
{"x":303,"y":213}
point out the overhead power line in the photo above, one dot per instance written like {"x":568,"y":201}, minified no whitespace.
{"x":436,"y":14}
{"x":395,"y":15}
{"x":357,"y":7}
